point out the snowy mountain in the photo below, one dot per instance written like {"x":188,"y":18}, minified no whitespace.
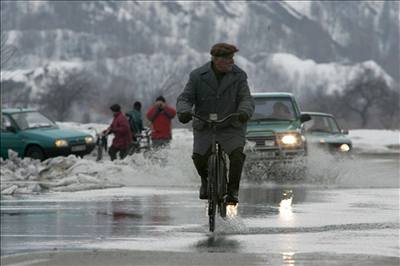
{"x":141,"y":49}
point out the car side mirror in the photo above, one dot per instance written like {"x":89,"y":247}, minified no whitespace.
{"x":305,"y":118}
{"x":11,"y":129}
{"x":345,"y":131}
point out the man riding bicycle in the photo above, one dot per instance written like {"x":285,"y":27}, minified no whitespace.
{"x":218,"y":87}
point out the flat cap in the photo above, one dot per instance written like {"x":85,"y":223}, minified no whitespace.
{"x":221,"y":49}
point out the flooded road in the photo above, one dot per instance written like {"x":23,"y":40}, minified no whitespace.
{"x":356,"y":221}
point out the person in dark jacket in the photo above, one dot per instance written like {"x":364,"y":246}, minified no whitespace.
{"x":218,"y":87}
{"x":122,"y":133}
{"x":136,"y":123}
{"x":135,"y":119}
{"x":160,"y":116}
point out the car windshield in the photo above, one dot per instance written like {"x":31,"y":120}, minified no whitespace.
{"x":28,"y":120}
{"x":273,"y":109}
{"x":322,"y":124}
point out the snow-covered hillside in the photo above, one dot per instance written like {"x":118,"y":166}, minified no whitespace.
{"x":137,"y":50}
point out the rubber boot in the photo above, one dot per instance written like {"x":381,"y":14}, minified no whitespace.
{"x":203,"y":189}
{"x":201,"y":164}
{"x":236,"y":162}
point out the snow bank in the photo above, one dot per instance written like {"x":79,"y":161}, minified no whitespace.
{"x":70,"y":173}
{"x":169,"y":167}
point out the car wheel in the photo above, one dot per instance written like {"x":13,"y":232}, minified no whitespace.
{"x":35,"y":152}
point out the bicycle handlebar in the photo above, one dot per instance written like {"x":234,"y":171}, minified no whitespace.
{"x":97,"y":133}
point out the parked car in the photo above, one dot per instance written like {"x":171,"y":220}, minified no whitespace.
{"x":31,"y":134}
{"x":275,"y":136}
{"x":323,"y":131}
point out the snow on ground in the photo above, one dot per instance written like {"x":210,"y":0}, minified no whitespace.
{"x":375,"y":141}
{"x":169,"y":167}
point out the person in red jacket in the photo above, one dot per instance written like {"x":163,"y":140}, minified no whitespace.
{"x":160,"y":116}
{"x":122,"y":133}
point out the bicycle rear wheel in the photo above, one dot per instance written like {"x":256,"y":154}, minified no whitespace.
{"x":212,"y":190}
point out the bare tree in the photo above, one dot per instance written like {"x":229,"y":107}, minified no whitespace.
{"x":169,"y":85}
{"x":63,"y":90}
{"x":14,"y":93}
{"x":7,"y":50}
{"x":389,"y":109}
{"x":119,"y":90}
{"x":7,"y":53}
{"x":364,"y":93}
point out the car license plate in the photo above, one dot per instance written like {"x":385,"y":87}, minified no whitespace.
{"x":78,"y":148}
{"x":269,"y":143}
{"x":269,"y":154}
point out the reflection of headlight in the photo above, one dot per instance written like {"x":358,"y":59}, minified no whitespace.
{"x":290,"y":139}
{"x":344,"y":147}
{"x":89,"y":140}
{"x":61,"y":143}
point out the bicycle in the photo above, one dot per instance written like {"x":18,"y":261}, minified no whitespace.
{"x":142,"y":142}
{"x":217,"y":171}
{"x":101,"y":143}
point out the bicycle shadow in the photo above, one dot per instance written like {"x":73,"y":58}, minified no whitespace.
{"x":217,"y":243}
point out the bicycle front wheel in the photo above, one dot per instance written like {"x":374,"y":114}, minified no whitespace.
{"x":212,"y":190}
{"x":222,"y":185}
{"x":99,"y":152}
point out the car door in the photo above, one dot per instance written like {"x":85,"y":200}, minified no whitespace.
{"x":10,"y":139}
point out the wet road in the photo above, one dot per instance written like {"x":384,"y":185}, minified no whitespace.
{"x":359,"y":218}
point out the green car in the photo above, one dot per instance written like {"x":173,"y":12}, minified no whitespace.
{"x":31,"y":134}
{"x":275,"y":136}
{"x":323,"y":132}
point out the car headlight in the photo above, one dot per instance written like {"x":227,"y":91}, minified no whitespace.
{"x":61,"y":143}
{"x":290,"y":139}
{"x":89,"y":140}
{"x":344,"y":148}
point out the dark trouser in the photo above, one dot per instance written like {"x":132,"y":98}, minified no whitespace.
{"x":236,"y":159}
{"x":134,"y":148}
{"x":112,"y":151}
{"x":160,"y":143}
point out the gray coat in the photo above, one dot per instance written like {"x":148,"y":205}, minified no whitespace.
{"x":232,"y":95}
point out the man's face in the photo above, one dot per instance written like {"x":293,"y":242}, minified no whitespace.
{"x":223,"y":63}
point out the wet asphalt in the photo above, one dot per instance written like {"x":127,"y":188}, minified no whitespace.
{"x":298,"y":224}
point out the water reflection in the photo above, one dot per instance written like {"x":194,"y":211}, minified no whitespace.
{"x":288,"y":258}
{"x":123,"y":215}
{"x":270,"y":201}
{"x":285,"y":206}
{"x":217,"y":243}
{"x":159,"y":212}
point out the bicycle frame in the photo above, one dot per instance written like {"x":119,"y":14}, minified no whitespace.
{"x":217,"y":171}
{"x":143,"y":142}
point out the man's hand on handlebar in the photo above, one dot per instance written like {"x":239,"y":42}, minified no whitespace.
{"x":106,"y":132}
{"x":185,"y":117}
